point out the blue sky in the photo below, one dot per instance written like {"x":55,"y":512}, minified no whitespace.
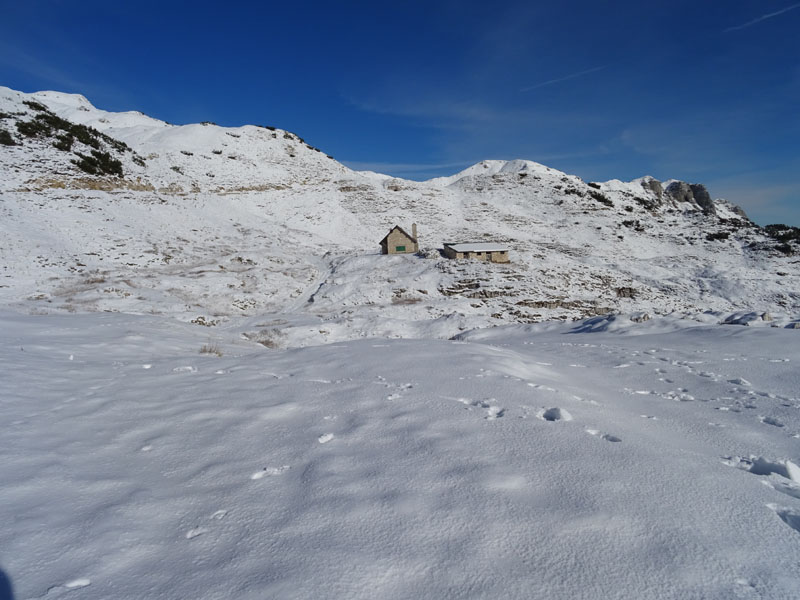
{"x":704,"y":90}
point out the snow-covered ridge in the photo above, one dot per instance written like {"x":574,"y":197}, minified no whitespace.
{"x":208,"y":223}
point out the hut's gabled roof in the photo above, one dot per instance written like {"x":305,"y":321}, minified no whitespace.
{"x":403,"y":231}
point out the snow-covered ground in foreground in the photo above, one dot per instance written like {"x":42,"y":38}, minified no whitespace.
{"x":602,"y":459}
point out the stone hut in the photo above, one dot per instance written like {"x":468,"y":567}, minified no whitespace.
{"x":397,"y":241}
{"x":486,"y":251}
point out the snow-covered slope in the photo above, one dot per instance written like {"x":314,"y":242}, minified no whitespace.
{"x":208,"y":223}
{"x":603,"y":459}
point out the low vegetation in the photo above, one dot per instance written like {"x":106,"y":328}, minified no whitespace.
{"x":787,"y":236}
{"x":6,"y":139}
{"x":99,"y":163}
{"x":211,"y":348}
{"x":601,"y":198}
{"x":65,"y":134}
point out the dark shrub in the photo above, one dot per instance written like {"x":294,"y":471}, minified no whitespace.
{"x":783,"y":233}
{"x":33,"y":128}
{"x":64,"y":142}
{"x":601,"y":198}
{"x":6,"y":139}
{"x":35,"y":105}
{"x":99,"y":163}
{"x":646,"y":204}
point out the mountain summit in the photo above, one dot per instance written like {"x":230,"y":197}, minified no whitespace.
{"x":123,"y":212}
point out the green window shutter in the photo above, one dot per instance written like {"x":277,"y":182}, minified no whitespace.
{"x":399,"y":248}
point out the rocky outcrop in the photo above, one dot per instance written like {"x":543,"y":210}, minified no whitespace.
{"x":694,"y":193}
{"x":654,"y":186}
{"x":703,"y":198}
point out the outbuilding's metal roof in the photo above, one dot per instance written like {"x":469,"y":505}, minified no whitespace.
{"x":478,"y":247}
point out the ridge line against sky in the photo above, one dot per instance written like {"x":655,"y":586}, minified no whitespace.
{"x":703,"y":92}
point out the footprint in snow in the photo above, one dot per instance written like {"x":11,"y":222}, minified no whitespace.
{"x":781,"y":475}
{"x":603,"y":436}
{"x":492,"y":411}
{"x":790,"y":516}
{"x":272,"y":471}
{"x":770,"y":421}
{"x":78,"y":583}
{"x":554,"y":414}
{"x":196,"y":532}
{"x":75,"y":584}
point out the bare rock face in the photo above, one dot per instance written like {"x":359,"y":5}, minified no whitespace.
{"x":653,"y":185}
{"x":680,"y":191}
{"x":739,"y":211}
{"x":703,"y":198}
{"x":695,"y":193}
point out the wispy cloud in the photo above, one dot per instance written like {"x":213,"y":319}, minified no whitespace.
{"x":763,"y":18}
{"x":564,"y":78}
{"x":22,"y":62}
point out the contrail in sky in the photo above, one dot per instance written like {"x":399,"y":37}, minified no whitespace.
{"x":763,"y":18}
{"x":565,"y":78}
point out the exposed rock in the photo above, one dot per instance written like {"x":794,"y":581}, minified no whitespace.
{"x":741,"y":318}
{"x":739,"y":211}
{"x":680,"y":191}
{"x":626,"y":292}
{"x":703,"y":198}
{"x":694,"y":193}
{"x":654,"y":186}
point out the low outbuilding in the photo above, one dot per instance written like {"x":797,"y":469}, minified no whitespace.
{"x":486,"y":251}
{"x":397,"y":241}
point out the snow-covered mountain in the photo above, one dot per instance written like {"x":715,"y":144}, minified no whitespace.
{"x":123,"y":212}
{"x":175,"y":454}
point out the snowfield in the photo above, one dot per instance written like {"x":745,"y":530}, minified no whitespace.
{"x":213,"y":386}
{"x":604,"y":459}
